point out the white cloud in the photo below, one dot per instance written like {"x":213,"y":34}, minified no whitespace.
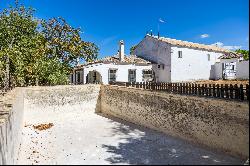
{"x":204,"y":35}
{"x":220,"y":44}
{"x":232,"y":47}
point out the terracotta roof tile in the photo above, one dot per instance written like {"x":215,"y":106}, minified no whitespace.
{"x":190,"y":44}
{"x":230,"y":55}
{"x":127,"y":59}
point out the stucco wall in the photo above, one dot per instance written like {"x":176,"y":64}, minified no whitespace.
{"x":121,"y":74}
{"x":218,"y":124}
{"x":194,"y":64}
{"x":242,"y":71}
{"x":11,"y":118}
{"x":158,"y":52}
{"x":216,"y":71}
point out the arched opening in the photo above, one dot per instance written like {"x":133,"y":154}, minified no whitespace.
{"x":93,"y":77}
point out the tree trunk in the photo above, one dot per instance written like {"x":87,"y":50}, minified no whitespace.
{"x":7,"y":70}
{"x":7,"y":74}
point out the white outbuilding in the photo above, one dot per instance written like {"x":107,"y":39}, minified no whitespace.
{"x":117,"y":68}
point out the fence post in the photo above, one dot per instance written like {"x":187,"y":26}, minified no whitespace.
{"x":241,"y":92}
{"x":180,"y":86}
{"x":168,"y":87}
{"x":222,"y":91}
{"x":218,"y":90}
{"x":186,"y":88}
{"x":199,"y":90}
{"x":206,"y":90}
{"x":247,"y":91}
{"x":191,"y":89}
{"x":183,"y":88}
{"x":195,"y":89}
{"x":226,"y":91}
{"x":214,"y":94}
{"x":236,"y":88}
{"x":231,"y":91}
{"x":202,"y":89}
{"x":209,"y":90}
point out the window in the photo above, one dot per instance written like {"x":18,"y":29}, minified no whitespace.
{"x":131,"y":75}
{"x":179,"y":54}
{"x":112,"y":75}
{"x":147,"y":75}
{"x":208,"y":57}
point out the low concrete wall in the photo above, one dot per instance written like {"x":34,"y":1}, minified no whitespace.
{"x":218,"y":124}
{"x":11,"y":118}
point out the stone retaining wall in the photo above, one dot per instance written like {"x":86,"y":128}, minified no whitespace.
{"x":215,"y":123}
{"x":11,"y":117}
{"x":15,"y":102}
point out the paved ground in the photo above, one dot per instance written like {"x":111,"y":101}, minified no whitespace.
{"x":79,"y":136}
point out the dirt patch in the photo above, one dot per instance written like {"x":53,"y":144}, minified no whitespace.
{"x":43,"y":126}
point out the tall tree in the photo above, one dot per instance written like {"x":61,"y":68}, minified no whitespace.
{"x":17,"y":31}
{"x":34,"y":51}
{"x":65,"y":42}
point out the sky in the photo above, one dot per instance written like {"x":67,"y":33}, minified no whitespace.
{"x":106,"y":22}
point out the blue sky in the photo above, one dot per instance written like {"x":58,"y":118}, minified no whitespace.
{"x":105,"y":22}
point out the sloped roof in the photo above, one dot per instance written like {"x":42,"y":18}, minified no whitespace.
{"x":190,"y":44}
{"x":127,"y":59}
{"x":131,"y":59}
{"x":230,"y":55}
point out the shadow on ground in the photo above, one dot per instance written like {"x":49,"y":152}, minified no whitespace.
{"x":139,"y":145}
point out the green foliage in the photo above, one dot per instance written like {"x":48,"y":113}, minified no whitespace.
{"x":65,"y":42}
{"x":39,"y":51}
{"x":132,"y":49}
{"x":245,"y":53}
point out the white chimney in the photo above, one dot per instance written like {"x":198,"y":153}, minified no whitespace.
{"x":121,"y":50}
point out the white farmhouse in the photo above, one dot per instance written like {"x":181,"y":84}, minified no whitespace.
{"x":162,"y":59}
{"x":177,"y":60}
{"x":117,"y":68}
